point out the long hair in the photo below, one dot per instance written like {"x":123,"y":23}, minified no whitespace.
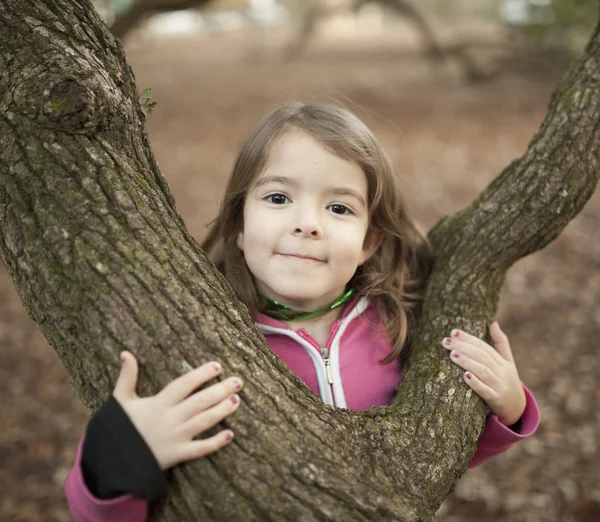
{"x":394,"y":276}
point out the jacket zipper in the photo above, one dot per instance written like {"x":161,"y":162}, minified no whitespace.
{"x":325,"y":355}
{"x":315,"y":351}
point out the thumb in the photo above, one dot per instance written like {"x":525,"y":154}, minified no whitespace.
{"x":500,"y":341}
{"x":127,"y":380}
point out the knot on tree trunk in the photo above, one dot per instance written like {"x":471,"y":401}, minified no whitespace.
{"x":72,"y":107}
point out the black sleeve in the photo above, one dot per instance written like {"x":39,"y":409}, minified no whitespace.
{"x":516,"y":427}
{"x":116,"y":459}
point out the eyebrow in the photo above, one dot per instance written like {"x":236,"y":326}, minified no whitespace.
{"x":293,"y":183}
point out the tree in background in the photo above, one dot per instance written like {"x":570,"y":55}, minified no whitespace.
{"x":550,"y":23}
{"x":125,"y":15}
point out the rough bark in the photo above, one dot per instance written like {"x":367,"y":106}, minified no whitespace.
{"x":102,"y":261}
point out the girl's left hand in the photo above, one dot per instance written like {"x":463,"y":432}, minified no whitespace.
{"x":492,"y":374}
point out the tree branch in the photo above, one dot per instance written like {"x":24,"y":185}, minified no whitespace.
{"x":144,"y":8}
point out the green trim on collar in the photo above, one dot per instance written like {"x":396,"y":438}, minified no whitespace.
{"x":278,"y":311}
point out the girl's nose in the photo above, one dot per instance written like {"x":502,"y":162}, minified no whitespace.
{"x":307,"y":219}
{"x":308,"y":225}
{"x":309,"y":230}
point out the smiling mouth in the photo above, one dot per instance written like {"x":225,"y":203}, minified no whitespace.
{"x":302,"y":258}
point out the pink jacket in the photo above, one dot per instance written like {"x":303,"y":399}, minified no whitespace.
{"x":343,"y":373}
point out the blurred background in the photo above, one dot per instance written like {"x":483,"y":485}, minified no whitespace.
{"x":454,"y":90}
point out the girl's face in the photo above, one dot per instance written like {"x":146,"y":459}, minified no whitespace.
{"x":305,"y":223}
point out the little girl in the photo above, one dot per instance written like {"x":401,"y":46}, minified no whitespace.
{"x":314,"y":238}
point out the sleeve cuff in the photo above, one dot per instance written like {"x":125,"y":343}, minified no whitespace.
{"x":525,"y":427}
{"x":85,"y":507}
{"x":497,"y":438}
{"x":116,"y":459}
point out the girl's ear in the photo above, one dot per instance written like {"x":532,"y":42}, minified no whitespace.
{"x":240,"y":241}
{"x":372,"y":242}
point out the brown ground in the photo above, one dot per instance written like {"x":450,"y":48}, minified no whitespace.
{"x":448,"y":140}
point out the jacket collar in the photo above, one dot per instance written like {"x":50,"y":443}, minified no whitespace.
{"x":355,"y":307}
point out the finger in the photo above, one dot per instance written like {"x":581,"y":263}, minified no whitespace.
{"x":464,"y":337}
{"x":180,"y":388}
{"x":200,"y":448}
{"x":210,"y":417}
{"x":482,"y":372}
{"x":207,"y":398}
{"x":127,"y":379}
{"x":485,"y":357}
{"x":501,"y":341}
{"x":480,"y":388}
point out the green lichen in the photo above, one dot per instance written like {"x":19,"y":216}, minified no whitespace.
{"x":58,"y":104}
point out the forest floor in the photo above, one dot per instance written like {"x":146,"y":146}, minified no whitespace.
{"x":447,"y":139}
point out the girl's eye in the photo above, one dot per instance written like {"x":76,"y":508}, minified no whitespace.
{"x":336,"y":208}
{"x":277,"y":198}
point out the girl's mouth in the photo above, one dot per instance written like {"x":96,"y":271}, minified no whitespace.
{"x":301,"y":257}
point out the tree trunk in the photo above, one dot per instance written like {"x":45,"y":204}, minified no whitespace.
{"x":103,"y":262}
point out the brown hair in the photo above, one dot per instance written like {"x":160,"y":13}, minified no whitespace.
{"x":394,"y":275}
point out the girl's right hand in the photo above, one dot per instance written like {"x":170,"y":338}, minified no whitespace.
{"x":169,"y":420}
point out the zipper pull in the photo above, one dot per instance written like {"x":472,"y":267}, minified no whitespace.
{"x":325,"y":354}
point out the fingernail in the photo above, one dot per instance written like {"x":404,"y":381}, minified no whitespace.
{"x":217,"y":367}
{"x":122,"y":360}
{"x":447,"y":341}
{"x":229,"y":435}
{"x":234,"y":399}
{"x":238,"y":384}
{"x":455,"y":333}
{"x":468,"y":375}
{"x":455,"y":354}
